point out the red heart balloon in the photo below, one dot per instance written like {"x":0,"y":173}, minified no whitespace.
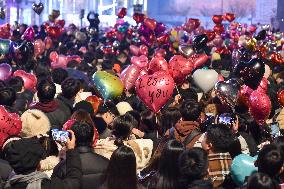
{"x":122,"y":12}
{"x":53,"y":56}
{"x":198,"y":59}
{"x":195,"y":22}
{"x":280,"y":95}
{"x":54,"y":31}
{"x":143,"y":50}
{"x":158,"y":64}
{"x":29,"y":34}
{"x":150,"y":23}
{"x":10,"y":125}
{"x":259,"y":106}
{"x":138,"y":17}
{"x":155,"y":90}
{"x":218,"y":29}
{"x":210,"y":35}
{"x":129,"y":76}
{"x":134,"y":50}
{"x":180,"y":67}
{"x":141,"y":61}
{"x":263,"y":85}
{"x":230,"y":17}
{"x":61,"y":23}
{"x":160,"y":53}
{"x":162,"y":39}
{"x":5,"y":31}
{"x":217,"y":19}
{"x":61,"y":62}
{"x":252,"y":28}
{"x":30,"y":80}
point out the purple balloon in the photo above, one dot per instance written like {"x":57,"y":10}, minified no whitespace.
{"x":5,"y":71}
{"x":29,"y":34}
{"x":144,"y":30}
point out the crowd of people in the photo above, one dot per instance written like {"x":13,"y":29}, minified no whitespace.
{"x":199,"y":138}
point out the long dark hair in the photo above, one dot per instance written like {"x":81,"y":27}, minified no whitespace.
{"x":168,"y":171}
{"x":121,"y":171}
{"x":169,"y":118}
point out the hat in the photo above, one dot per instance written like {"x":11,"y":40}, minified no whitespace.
{"x":24,"y":155}
{"x":34,"y":122}
{"x":123,"y":108}
{"x":84,"y":105}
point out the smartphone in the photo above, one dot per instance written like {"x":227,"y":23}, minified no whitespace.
{"x":60,"y":136}
{"x":275,"y":130}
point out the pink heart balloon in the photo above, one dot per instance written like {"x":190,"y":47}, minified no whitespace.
{"x":10,"y":125}
{"x":155,"y":90}
{"x":143,"y":50}
{"x":61,"y":62}
{"x":259,"y":106}
{"x":180,"y":67}
{"x":140,"y":61}
{"x":5,"y":71}
{"x":30,"y":80}
{"x":29,"y":34}
{"x":158,"y":64}
{"x":53,"y":56}
{"x":134,"y":50}
{"x":198,"y":59}
{"x":150,"y":23}
{"x":39,"y":47}
{"x":129,"y":76}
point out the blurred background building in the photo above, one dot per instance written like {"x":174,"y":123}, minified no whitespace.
{"x":171,"y":12}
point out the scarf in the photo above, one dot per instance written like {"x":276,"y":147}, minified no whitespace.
{"x":33,"y":180}
{"x":46,"y":107}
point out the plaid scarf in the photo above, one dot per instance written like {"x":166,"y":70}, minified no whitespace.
{"x":219,"y":167}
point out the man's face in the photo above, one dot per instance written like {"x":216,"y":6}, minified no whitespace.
{"x":205,"y":144}
{"x":108,"y":117}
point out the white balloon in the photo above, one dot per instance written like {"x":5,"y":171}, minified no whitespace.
{"x":267,"y":71}
{"x":205,"y":79}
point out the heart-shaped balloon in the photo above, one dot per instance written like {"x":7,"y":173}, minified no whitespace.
{"x":61,"y":23}
{"x":263,"y":85}
{"x":198,"y":60}
{"x":61,"y":62}
{"x":210,"y":35}
{"x":2,"y":14}
{"x":108,"y":85}
{"x":129,"y":76}
{"x":140,"y":61}
{"x":251,"y":72}
{"x":38,"y":8}
{"x":259,"y":106}
{"x":195,"y":23}
{"x":276,"y":58}
{"x":53,"y":56}
{"x":39,"y":47}
{"x":230,"y":17}
{"x":280,"y":96}
{"x":186,"y":50}
{"x":29,"y":34}
{"x":55,"y":13}
{"x":160,"y":28}
{"x":180,"y":67}
{"x":158,"y":64}
{"x":95,"y":101}
{"x":219,"y":29}
{"x":155,"y":90}
{"x":5,"y":31}
{"x":134,"y":50}
{"x":30,"y":80}
{"x":242,"y":167}
{"x":138,"y":17}
{"x":150,"y":23}
{"x":163,"y":39}
{"x":122,"y":12}
{"x":5,"y":71}
{"x":244,"y":95}
{"x":48,"y":42}
{"x":200,"y":42}
{"x":4,"y":46}
{"x":54,"y":31}
{"x":143,"y":50}
{"x":217,"y":19}
{"x":205,"y":79}
{"x":227,"y":92}
{"x":252,"y":28}
{"x":10,"y":125}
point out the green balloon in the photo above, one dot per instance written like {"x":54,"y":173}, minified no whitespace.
{"x":4,"y":46}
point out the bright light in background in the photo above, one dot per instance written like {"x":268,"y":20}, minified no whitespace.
{"x":13,"y":15}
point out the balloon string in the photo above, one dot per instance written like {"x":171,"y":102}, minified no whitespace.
{"x":177,"y":89}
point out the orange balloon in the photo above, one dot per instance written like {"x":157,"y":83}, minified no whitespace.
{"x":95,"y":101}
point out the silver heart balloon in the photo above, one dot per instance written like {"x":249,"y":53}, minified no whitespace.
{"x":185,"y":50}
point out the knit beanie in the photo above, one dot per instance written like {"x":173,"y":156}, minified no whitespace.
{"x":34,"y":122}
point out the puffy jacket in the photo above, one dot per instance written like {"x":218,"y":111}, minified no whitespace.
{"x":93,"y":168}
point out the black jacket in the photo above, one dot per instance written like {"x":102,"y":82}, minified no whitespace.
{"x":93,"y":168}
{"x":72,"y":179}
{"x":5,"y":169}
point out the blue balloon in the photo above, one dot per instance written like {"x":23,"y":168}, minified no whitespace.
{"x":242,"y":167}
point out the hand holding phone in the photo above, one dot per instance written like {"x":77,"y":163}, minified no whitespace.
{"x":60,"y":136}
